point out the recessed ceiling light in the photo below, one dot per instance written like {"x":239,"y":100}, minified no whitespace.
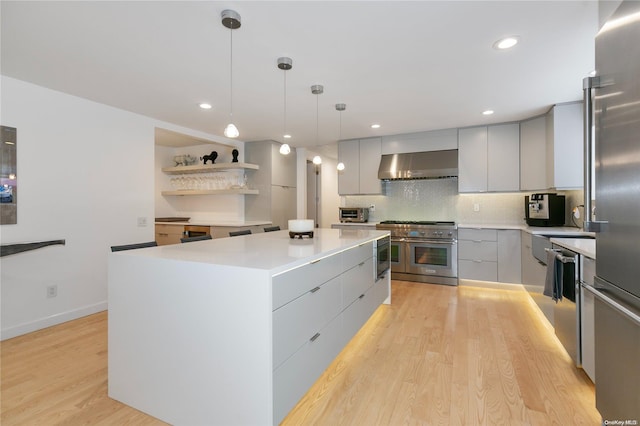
{"x":506,"y":43}
{"x":287,"y":136}
{"x":375,"y":126}
{"x":487,"y":112}
{"x":205,"y":106}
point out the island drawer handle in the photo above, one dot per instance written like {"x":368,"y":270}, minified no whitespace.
{"x":162,"y":233}
{"x":361,"y":296}
{"x":315,"y":261}
{"x":313,"y":290}
{"x":361,"y":263}
{"x":315,"y":336}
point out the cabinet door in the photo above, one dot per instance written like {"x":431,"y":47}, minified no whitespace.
{"x":503,"y":157}
{"x":349,"y":178}
{"x":370,"y":154}
{"x":533,"y":154}
{"x":509,"y":262}
{"x":169,"y":234}
{"x":481,"y":270}
{"x":567,"y":146}
{"x":472,"y":159}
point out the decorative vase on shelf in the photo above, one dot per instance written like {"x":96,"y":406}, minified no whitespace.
{"x":235,"y":153}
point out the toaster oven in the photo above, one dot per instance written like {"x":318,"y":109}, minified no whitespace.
{"x":354,"y":214}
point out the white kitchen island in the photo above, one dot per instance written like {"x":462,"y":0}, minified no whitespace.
{"x":234,"y":331}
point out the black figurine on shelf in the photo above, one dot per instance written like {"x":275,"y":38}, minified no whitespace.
{"x":235,"y":156}
{"x":211,"y":157}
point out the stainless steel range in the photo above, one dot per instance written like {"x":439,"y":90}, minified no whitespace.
{"x":423,"y":251}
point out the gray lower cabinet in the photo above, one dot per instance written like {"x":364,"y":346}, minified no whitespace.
{"x":318,"y":308}
{"x":509,"y":258}
{"x":587,"y":317}
{"x":478,"y":254}
{"x":533,"y":276}
{"x":489,"y":255}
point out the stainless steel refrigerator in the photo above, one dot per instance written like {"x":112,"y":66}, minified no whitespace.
{"x":615,"y":115}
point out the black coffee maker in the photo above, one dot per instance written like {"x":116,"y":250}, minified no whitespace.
{"x":545,"y":209}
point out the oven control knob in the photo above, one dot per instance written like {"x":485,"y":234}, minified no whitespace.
{"x":450,"y":233}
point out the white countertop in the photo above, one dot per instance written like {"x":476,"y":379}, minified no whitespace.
{"x":234,"y":223}
{"x":272,"y":251}
{"x":564,"y":231}
{"x":584,"y":246}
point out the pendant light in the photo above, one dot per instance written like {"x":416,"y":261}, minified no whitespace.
{"x":285,"y":64}
{"x":317,"y":89}
{"x":231,"y":20}
{"x":340,"y":108}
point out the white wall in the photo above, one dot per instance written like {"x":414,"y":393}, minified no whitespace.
{"x":85,"y":175}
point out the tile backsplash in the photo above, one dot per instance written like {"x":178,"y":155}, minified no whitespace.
{"x":438,"y":199}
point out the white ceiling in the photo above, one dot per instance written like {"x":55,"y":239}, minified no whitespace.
{"x":410,"y":66}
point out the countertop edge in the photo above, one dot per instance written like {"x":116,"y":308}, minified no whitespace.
{"x":563,"y":231}
{"x":585,"y":247}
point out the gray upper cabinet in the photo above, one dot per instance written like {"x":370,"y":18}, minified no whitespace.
{"x":472,"y":159}
{"x":503,"y":147}
{"x":489,"y":158}
{"x":533,"y":154}
{"x":565,"y":146}
{"x":361,"y":159}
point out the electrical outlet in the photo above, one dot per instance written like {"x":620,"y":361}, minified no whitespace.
{"x":372,"y":208}
{"x":476,"y":207}
{"x":52,"y":291}
{"x":142,"y":222}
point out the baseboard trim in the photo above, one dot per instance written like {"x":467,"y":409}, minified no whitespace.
{"x":491,"y":284}
{"x":39,"y":324}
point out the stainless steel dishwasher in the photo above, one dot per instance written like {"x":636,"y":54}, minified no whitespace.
{"x":566,"y":313}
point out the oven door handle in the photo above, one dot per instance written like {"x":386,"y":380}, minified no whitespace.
{"x":398,"y":240}
{"x":447,"y":242}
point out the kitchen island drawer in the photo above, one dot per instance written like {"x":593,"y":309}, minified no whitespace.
{"x":477,"y":234}
{"x":296,"y":282}
{"x":358,"y":313}
{"x":356,"y":281}
{"x":296,"y":375}
{"x":478,"y":250}
{"x":294,"y":322}
{"x":356,"y":255}
{"x":478,"y":270}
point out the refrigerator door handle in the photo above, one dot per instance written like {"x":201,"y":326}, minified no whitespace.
{"x":613,"y":304}
{"x":589,"y":84}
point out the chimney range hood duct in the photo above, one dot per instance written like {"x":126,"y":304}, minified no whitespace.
{"x":419,"y":165}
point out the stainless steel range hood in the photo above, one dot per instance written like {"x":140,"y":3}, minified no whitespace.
{"x":419,"y":165}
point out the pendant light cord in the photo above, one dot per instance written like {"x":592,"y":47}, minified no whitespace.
{"x":317,"y":115}
{"x":231,"y":75}
{"x":284,"y":130}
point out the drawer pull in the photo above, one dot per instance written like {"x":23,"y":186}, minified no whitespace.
{"x":477,"y":241}
{"x":314,"y":261}
{"x":361,"y":263}
{"x":478,"y":261}
{"x":361,"y":296}
{"x":313,"y":290}
{"x":163,"y":234}
{"x":315,"y":336}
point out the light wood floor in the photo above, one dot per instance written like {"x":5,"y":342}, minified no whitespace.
{"x":438,"y":355}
